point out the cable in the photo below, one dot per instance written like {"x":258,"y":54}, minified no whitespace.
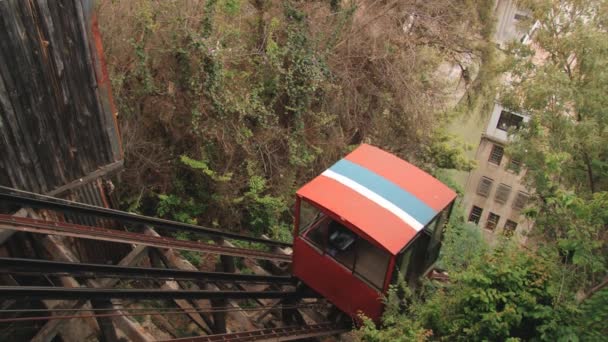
{"x":120,"y":307}
{"x":151,"y":313}
{"x":38,"y":267}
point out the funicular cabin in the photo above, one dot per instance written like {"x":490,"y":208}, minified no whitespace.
{"x":365,"y":221}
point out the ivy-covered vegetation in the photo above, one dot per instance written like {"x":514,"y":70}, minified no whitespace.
{"x":228,"y":106}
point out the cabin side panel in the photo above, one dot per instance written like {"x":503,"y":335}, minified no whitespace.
{"x":334,"y":282}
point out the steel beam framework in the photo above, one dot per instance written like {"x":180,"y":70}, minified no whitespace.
{"x":105,"y":234}
{"x":44,"y":267}
{"x":30,"y":199}
{"x":289,"y":333}
{"x":70,"y":293}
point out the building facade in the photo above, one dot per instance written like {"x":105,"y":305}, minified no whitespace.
{"x":494,"y":194}
{"x":509,"y":20}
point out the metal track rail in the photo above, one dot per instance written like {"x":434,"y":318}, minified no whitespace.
{"x":70,"y":293}
{"x":97,"y":233}
{"x":273,"y":334}
{"x":33,"y":266}
{"x":30,"y":199}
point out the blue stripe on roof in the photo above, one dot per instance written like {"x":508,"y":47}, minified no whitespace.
{"x":387,"y":189}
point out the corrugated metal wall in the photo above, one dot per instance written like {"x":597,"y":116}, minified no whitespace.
{"x":57,"y":122}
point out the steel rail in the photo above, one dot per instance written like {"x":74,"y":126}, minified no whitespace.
{"x":289,"y":333}
{"x":19,"y":265}
{"x":70,"y":293}
{"x":31,"y":199}
{"x":144,"y":312}
{"x":119,"y":306}
{"x":98,"y":233}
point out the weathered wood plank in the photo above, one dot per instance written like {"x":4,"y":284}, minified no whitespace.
{"x":57,"y":126}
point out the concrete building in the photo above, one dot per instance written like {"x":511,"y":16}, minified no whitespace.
{"x":494,"y":194}
{"x":508,"y":22}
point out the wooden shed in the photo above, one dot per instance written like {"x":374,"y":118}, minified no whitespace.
{"x":58,"y":127}
{"x":58,"y":124}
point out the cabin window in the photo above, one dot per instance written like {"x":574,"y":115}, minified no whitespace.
{"x":317,"y":235}
{"x":371,"y":263}
{"x":341,"y":244}
{"x":415,"y":259}
{"x":403,"y":263}
{"x":438,"y":226}
{"x":309,"y":215}
{"x":359,"y":256}
{"x":422,"y":253}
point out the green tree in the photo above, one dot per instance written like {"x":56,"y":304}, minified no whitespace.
{"x":505,"y":294}
{"x":561,"y":81}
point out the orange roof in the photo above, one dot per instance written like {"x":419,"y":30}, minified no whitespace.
{"x":386,"y":198}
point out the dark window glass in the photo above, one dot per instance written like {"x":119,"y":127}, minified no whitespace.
{"x":402,"y":265}
{"x":317,"y":234}
{"x":514,"y":165}
{"x":309,"y":215}
{"x":437,"y":235}
{"x":341,"y":244}
{"x":519,"y":16}
{"x":492,"y":221}
{"x":484,"y":187}
{"x":502,"y":193}
{"x":508,"y":120}
{"x":510,"y":227}
{"x":372,"y":263}
{"x":496,"y":154}
{"x":419,"y":262}
{"x":475,"y":214}
{"x":521,"y":200}
{"x":364,"y":259}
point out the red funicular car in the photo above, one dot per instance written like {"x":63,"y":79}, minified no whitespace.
{"x":362,"y":222}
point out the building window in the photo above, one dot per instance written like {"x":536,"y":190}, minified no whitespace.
{"x":484,"y":186}
{"x":508,"y":120}
{"x":492,"y":221}
{"x":502,"y":193}
{"x":514,"y":165}
{"x":520,"y":201}
{"x":519,"y":16}
{"x":475,"y":214}
{"x":496,"y":154}
{"x":510,"y":227}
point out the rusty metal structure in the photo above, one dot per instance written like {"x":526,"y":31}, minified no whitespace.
{"x":277,"y":295}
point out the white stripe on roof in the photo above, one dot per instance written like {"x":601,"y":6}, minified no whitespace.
{"x":374,"y":197}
